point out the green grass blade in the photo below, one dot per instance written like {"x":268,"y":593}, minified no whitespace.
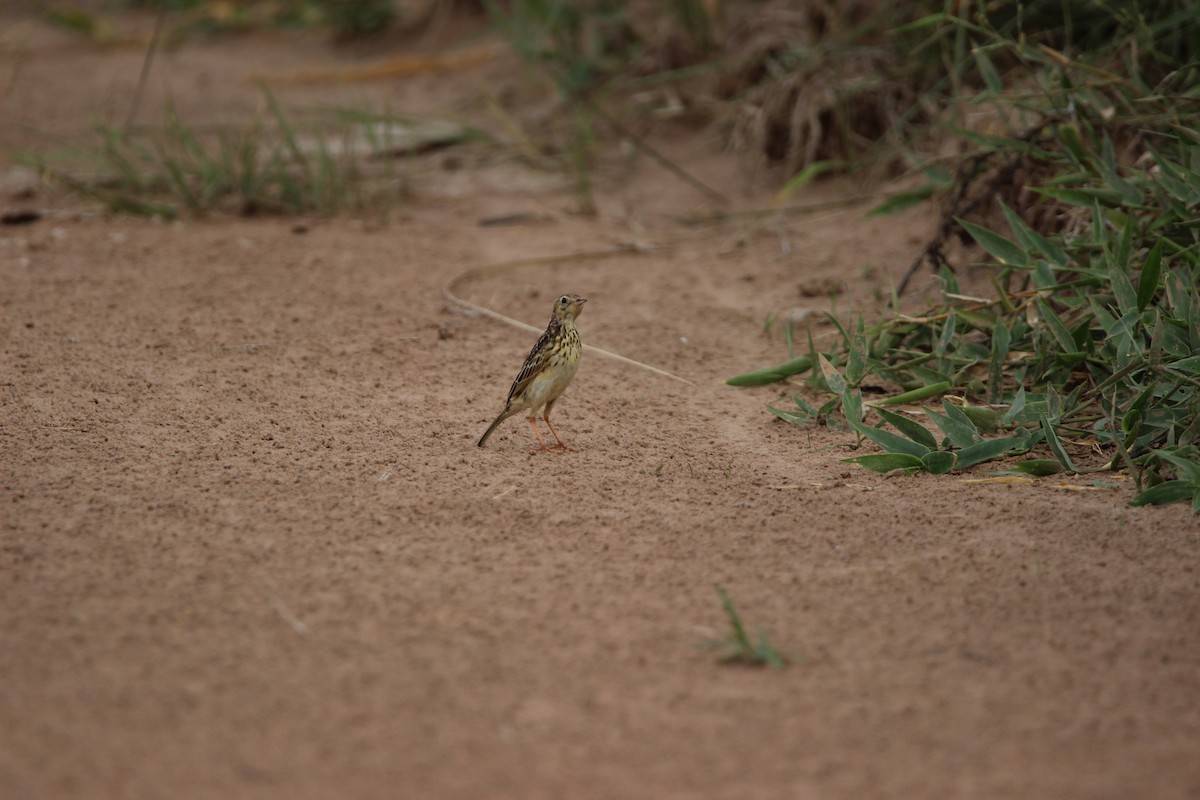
{"x":807,"y":175}
{"x":987,"y":71}
{"x":1038,"y":467}
{"x":1188,"y":470}
{"x":1018,"y":405}
{"x":837,"y":384}
{"x":792,"y":417}
{"x":1033,"y":241}
{"x":1056,"y":447}
{"x":856,"y":359}
{"x":959,"y":437}
{"x":735,"y":619}
{"x":902,"y":200}
{"x":985,"y":420}
{"x":1148,"y":282}
{"x":891,"y":442}
{"x":910,"y":428}
{"x":1122,"y":287}
{"x":915,"y":395}
{"x":1062,"y":335}
{"x":887,"y":462}
{"x":1165,"y":493}
{"x":1191,"y":365}
{"x":1001,"y":342}
{"x":1002,"y":249}
{"x":939,"y":462}
{"x":988,"y":450}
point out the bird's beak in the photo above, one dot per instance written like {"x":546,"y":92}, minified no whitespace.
{"x":582,"y":300}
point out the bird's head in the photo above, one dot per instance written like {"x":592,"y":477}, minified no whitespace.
{"x":568,"y":306}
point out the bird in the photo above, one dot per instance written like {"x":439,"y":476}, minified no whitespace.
{"x":548,"y":370}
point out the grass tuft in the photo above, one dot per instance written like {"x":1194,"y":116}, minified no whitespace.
{"x":1083,"y":208}
{"x":271,"y":166}
{"x":739,"y":647}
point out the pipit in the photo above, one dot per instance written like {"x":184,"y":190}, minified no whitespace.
{"x":548,"y":370}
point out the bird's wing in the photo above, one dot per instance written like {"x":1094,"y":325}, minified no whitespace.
{"x":534,"y":363}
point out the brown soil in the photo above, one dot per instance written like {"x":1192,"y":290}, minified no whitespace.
{"x":250,"y":549}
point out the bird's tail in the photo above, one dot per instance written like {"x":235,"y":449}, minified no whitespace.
{"x":505,"y":414}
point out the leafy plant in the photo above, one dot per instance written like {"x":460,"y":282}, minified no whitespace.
{"x":738,"y":647}
{"x":808,"y":414}
{"x":269,"y":167}
{"x":913,"y":447}
{"x":1092,"y":330}
{"x":1186,"y":463}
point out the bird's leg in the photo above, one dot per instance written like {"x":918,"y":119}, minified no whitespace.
{"x":541,"y":441}
{"x":546,"y":417}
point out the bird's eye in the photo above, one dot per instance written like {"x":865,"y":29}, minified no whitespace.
{"x":562,"y":301}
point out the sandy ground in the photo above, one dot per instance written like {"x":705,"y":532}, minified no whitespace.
{"x":248,"y":547}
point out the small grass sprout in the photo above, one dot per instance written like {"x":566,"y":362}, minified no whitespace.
{"x":738,"y":647}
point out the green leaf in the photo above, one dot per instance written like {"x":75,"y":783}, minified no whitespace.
{"x":926,"y":22}
{"x":856,"y":360}
{"x":939,"y":462}
{"x":837,"y":323}
{"x":1018,"y":405}
{"x":1002,"y":249}
{"x":1164,"y":493}
{"x":1123,"y":290}
{"x":910,"y":428}
{"x":1189,"y":470}
{"x":773,"y":374}
{"x":983,"y":320}
{"x":788,"y":416}
{"x":1129,"y":194}
{"x":887,"y":462}
{"x":1122,"y":339}
{"x":837,"y":384}
{"x":987,"y":71}
{"x":948,"y":279}
{"x":1124,"y":254}
{"x":1053,"y":404}
{"x":1033,"y":241}
{"x":955,"y":413}
{"x":766,"y":653}
{"x":915,"y":395}
{"x":989,"y":449}
{"x":1043,"y":275}
{"x":1066,"y":342}
{"x":1056,"y":447}
{"x":903,"y":200}
{"x":1001,"y":341}
{"x":1068,"y":134}
{"x":813,"y":170}
{"x":1148,"y":283}
{"x":1190,"y":364}
{"x":1182,"y":184}
{"x":892,"y":442}
{"x":985,"y":420}
{"x":1100,"y":229}
{"x":735,"y":620}
{"x":1038,"y":466}
{"x":852,"y":406}
{"x":1080,"y":197}
{"x":960,"y":435}
{"x":949,"y":328}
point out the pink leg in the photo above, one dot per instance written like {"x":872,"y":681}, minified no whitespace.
{"x":556,"y":437}
{"x":541,"y":441}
